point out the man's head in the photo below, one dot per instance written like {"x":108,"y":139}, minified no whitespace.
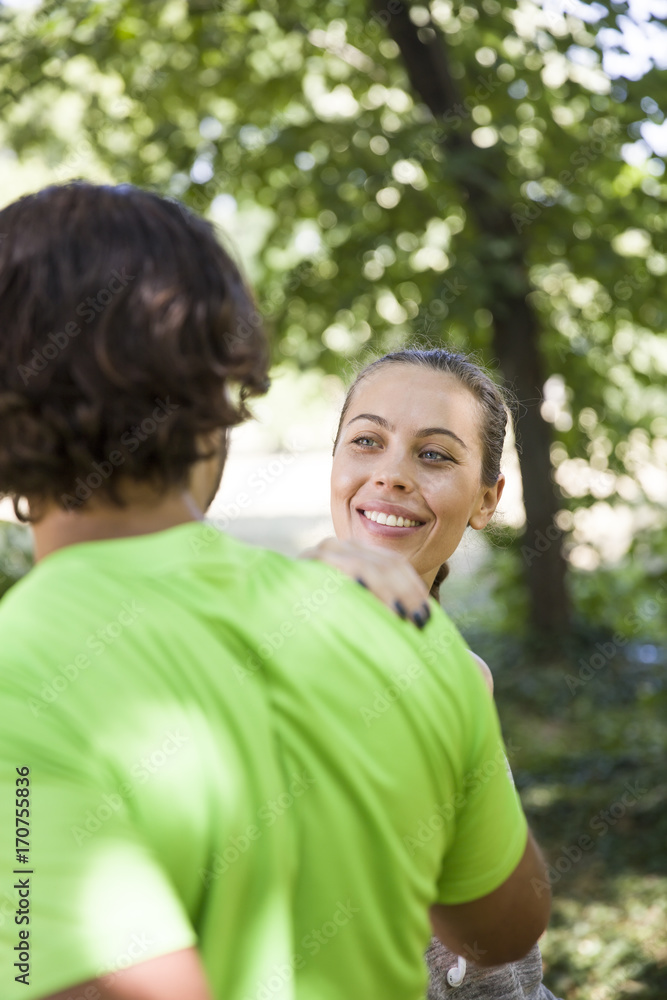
{"x":127,"y":339}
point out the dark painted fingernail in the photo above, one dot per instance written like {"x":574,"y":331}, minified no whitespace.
{"x":359,"y":580}
{"x":425,"y":612}
{"x":418,"y":620}
{"x":400,"y":610}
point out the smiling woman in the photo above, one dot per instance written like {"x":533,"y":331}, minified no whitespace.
{"x":416,"y":461}
{"x":420,"y":438}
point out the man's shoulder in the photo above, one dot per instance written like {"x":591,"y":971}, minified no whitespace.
{"x":15,"y":601}
{"x":335,"y":609}
{"x":280,"y":578}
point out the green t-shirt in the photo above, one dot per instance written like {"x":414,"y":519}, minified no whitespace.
{"x":230,"y":749}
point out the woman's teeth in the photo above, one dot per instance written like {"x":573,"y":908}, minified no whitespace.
{"x":390,"y":519}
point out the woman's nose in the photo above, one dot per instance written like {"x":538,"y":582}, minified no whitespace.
{"x":393,"y":471}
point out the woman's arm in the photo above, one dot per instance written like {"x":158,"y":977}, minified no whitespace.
{"x":484,"y":667}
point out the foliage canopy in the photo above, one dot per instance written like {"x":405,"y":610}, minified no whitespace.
{"x":296,"y":128}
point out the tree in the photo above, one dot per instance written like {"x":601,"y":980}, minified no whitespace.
{"x":515,"y":325}
{"x":486,"y":203}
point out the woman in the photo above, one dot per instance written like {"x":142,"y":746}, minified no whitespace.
{"x":417,"y":460}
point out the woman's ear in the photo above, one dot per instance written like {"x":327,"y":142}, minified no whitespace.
{"x":487,"y":501}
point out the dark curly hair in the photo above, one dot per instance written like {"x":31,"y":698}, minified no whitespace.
{"x":126,"y":333}
{"x":495,"y":403}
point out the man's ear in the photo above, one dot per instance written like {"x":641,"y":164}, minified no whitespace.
{"x":487,"y":501}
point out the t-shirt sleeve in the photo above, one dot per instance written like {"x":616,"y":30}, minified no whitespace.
{"x":490,"y":827}
{"x":84,"y":884}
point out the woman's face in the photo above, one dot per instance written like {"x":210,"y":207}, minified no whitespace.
{"x":410,"y":449}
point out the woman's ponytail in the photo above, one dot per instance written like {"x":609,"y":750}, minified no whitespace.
{"x":440,"y":577}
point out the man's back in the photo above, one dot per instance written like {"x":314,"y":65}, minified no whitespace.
{"x":146,"y":758}
{"x":233,"y":750}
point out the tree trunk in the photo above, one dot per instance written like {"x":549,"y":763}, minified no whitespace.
{"x":480,"y":175}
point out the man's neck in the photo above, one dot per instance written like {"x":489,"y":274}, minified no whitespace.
{"x":59,"y":528}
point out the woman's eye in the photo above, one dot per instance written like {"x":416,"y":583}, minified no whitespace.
{"x":364,"y":441}
{"x":435,"y":456}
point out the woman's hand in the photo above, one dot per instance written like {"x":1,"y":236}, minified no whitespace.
{"x":386,"y":574}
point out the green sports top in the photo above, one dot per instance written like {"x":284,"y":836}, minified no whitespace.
{"x":231,"y":749}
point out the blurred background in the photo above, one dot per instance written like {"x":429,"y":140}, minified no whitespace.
{"x":488,"y":176}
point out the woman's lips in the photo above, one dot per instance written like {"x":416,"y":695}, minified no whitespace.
{"x":387,"y":530}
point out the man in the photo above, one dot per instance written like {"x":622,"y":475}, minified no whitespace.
{"x":230,"y":775}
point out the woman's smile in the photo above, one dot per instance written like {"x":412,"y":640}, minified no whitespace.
{"x":407,"y":466}
{"x":382,"y":515}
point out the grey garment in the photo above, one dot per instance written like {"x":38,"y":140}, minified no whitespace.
{"x":516,"y":981}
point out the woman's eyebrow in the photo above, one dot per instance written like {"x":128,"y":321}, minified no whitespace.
{"x":427,"y":431}
{"x":424,"y":432}
{"x":375,"y":419}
